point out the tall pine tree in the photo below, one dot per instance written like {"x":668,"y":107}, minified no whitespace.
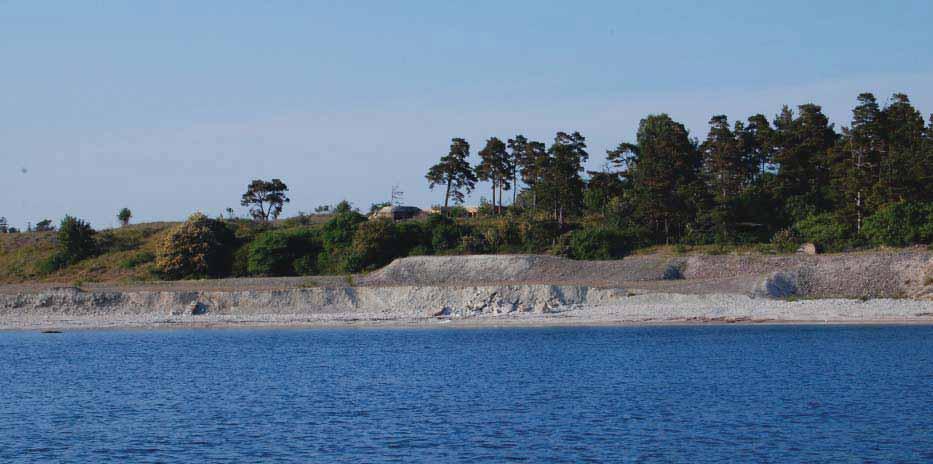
{"x":454,"y":172}
{"x":663,"y":169}
{"x":495,"y":167}
{"x":857,"y":162}
{"x":905,"y":172}
{"x":561,"y":176}
{"x":727,"y":171}
{"x":802,"y":156}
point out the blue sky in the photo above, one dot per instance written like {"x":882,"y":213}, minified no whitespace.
{"x":173,"y":106}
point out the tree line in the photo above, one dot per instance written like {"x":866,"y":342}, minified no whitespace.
{"x":776,"y":182}
{"x":748,"y":181}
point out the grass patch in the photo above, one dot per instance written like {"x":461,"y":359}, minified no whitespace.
{"x":125,"y":254}
{"x":134,"y":261}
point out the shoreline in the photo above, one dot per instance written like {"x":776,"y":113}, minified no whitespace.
{"x":443,"y":325}
{"x":511,"y":291}
{"x":619,"y":311}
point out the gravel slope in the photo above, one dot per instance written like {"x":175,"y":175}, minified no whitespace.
{"x":519,"y":289}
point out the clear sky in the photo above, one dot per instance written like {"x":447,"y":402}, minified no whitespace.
{"x":168,"y":107}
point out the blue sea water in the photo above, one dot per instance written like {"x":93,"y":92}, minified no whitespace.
{"x":627,"y":394}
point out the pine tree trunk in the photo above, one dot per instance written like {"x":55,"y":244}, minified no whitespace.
{"x":858,"y":205}
{"x":534,"y":201}
{"x":447,"y":196}
{"x":514,"y":183}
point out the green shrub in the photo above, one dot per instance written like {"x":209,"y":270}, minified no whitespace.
{"x":414,"y":235}
{"x":900,"y":224}
{"x":472,"y":245}
{"x":602,"y":243}
{"x":786,"y":241}
{"x":339,"y":230}
{"x":276,"y":253}
{"x":200,"y":247}
{"x":419,"y":250}
{"x":124,"y":240}
{"x":498,"y":234}
{"x":52,"y":263}
{"x":457,"y":212}
{"x":538,"y":236}
{"x":825,"y":230}
{"x":375,"y":244}
{"x":336,"y":239}
{"x":765,"y":248}
{"x":240,"y":266}
{"x":306,"y":265}
{"x":445,"y":233}
{"x":76,"y":240}
{"x":561,"y":246}
{"x":138,"y":259}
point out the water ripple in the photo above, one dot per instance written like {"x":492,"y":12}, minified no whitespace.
{"x":660,"y":394}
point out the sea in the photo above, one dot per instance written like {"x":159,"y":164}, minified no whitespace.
{"x":691,"y":394}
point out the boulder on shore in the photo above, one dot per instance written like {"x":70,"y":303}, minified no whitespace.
{"x":808,"y":249}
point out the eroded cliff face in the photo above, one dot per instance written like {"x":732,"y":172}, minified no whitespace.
{"x":876,"y":274}
{"x":403,"y":291}
{"x":407,"y":301}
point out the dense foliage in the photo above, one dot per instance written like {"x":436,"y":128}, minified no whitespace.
{"x":265,"y":199}
{"x":794,"y":177}
{"x":284,"y":252}
{"x":899,"y":224}
{"x":75,"y":243}
{"x":200,"y":247}
{"x":124,"y":216}
{"x":772,"y":183}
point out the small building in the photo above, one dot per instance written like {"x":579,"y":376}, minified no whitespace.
{"x":470,"y":211}
{"x":397,"y":213}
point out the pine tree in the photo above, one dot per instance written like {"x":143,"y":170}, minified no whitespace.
{"x":265,"y":199}
{"x":802,"y":155}
{"x":518,"y":150}
{"x":454,"y":172}
{"x":561,"y":176}
{"x":496,"y":168}
{"x":905,"y":171}
{"x":663,"y":169}
{"x":531,"y":159}
{"x":727,"y":170}
{"x":758,"y":141}
{"x":857,"y":161}
{"x":725,"y":166}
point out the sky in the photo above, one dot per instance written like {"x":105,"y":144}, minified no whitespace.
{"x":172,"y":107}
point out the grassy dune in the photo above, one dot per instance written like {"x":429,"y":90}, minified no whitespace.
{"x":126,"y":256}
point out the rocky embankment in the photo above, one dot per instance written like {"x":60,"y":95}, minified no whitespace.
{"x":895,"y":274}
{"x":858,"y":287}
